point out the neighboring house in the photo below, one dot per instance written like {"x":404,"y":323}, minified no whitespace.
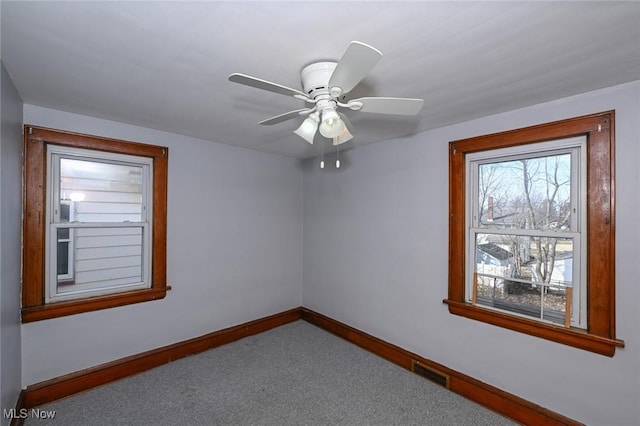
{"x":562,"y":273}
{"x":491,"y":259}
{"x":492,"y":254}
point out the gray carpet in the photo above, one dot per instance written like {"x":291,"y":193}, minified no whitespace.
{"x":296,"y":374}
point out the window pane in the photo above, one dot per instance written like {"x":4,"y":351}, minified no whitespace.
{"x":63,"y":255}
{"x":524,"y":274}
{"x":65,"y":211}
{"x":63,"y":258}
{"x":104,"y":258}
{"x":63,"y":234}
{"x":100,"y":192}
{"x":530,"y":193}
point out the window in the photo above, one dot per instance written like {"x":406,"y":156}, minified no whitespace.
{"x":99,"y":216}
{"x":94,"y":223}
{"x":524,"y":217}
{"x":531,"y":234}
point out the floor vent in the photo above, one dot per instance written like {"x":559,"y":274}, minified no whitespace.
{"x":429,"y":373}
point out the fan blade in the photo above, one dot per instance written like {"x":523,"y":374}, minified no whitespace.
{"x":355,"y":64}
{"x":259,"y":83}
{"x":284,"y":117}
{"x":396,"y":106}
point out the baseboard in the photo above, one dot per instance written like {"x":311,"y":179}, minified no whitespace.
{"x":502,"y":402}
{"x":60,"y":387}
{"x":486,"y":395}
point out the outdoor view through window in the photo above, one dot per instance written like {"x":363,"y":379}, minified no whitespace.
{"x":98,"y":223}
{"x":524,"y":242}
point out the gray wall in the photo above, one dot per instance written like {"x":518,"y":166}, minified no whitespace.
{"x":234,"y":252}
{"x":375,"y":257}
{"x":10,"y":239}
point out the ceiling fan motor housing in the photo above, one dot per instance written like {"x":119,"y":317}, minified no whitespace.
{"x":315,"y":78}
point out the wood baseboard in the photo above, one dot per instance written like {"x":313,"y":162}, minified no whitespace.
{"x":60,"y":387}
{"x":490,"y":397}
{"x":502,"y":402}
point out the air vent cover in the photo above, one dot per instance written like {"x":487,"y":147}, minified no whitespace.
{"x":430,"y":374}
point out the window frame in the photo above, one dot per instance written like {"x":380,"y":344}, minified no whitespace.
{"x":35,"y":172}
{"x":599,"y":336}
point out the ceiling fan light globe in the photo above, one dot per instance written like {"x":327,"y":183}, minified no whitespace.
{"x":332,"y":125}
{"x":343,"y":137}
{"x":308,"y":126}
{"x":307,"y":129}
{"x":331,"y":130}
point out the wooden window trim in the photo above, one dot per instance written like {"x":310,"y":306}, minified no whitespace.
{"x":600,"y":134}
{"x":34,"y":307}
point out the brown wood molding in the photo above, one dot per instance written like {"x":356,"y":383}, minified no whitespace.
{"x":60,"y":387}
{"x":36,"y":140}
{"x":490,"y":397}
{"x":599,"y":131}
{"x":502,"y":402}
{"x":60,"y":309}
{"x":568,"y":336}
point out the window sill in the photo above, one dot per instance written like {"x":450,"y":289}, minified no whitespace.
{"x":568,"y":336}
{"x":61,"y":309}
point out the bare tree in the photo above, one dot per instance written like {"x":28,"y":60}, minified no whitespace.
{"x":543,"y":213}
{"x":490,"y":198}
{"x":529,"y":194}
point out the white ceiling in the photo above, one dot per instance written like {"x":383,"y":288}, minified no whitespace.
{"x":164,"y":65}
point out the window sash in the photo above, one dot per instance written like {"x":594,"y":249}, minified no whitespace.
{"x":577,"y":303}
{"x":55,"y":154}
{"x":576,"y":147}
{"x":53,"y":293}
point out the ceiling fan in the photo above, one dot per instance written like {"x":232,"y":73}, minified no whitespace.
{"x":325,"y":85}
